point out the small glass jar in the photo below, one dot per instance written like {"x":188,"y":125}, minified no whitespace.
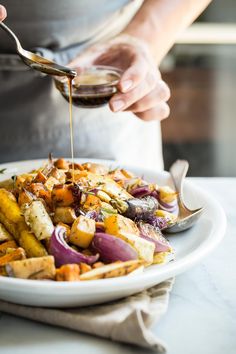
{"x":92,"y":87}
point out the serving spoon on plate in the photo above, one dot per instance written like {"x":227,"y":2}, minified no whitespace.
{"x":186,"y":217}
{"x":36,"y":61}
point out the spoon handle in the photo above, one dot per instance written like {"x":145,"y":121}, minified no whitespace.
{"x":178,"y":172}
{"x":11,"y":34}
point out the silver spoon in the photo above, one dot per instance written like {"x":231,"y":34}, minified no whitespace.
{"x":186,"y":217}
{"x":36,"y":61}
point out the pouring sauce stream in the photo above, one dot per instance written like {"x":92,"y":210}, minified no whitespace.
{"x":71,"y":127}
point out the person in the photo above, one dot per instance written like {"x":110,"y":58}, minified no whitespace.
{"x":133,"y":35}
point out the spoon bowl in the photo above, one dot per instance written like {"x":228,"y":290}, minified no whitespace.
{"x":37,"y":62}
{"x":186,"y":217}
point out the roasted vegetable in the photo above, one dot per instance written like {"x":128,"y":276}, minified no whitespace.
{"x":9,"y":207}
{"x":16,"y":254}
{"x":65,"y":215}
{"x":118,"y":224}
{"x":4,"y":246}
{"x":8,"y":184}
{"x":32,"y":246}
{"x":95,"y":168}
{"x":68,"y":272}
{"x":4,"y":234}
{"x":25,"y":197}
{"x":117,"y":269}
{"x":92,"y":202}
{"x":144,"y":248}
{"x":62,"y":164}
{"x":136,"y":208}
{"x":32,"y":268}
{"x":63,"y":253}
{"x":37,"y":218}
{"x":112,"y":248}
{"x":153,"y":234}
{"x":62,"y":195}
{"x":82,"y":231}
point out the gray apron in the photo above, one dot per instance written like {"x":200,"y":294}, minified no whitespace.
{"x":34,"y":117}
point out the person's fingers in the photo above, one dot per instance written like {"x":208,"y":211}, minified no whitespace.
{"x":161,"y":93}
{"x":160,"y":112}
{"x":3,"y":13}
{"x":121,"y":101}
{"x":134,"y":75}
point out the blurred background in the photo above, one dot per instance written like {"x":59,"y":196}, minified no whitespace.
{"x":201,"y":71}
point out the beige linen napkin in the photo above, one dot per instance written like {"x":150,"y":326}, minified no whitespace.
{"x":127,"y":320}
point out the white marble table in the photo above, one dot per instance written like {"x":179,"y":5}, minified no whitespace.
{"x":202,"y":314}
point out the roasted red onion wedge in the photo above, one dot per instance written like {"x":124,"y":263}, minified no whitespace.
{"x":63,"y":253}
{"x":153,"y":234}
{"x":112,"y":248}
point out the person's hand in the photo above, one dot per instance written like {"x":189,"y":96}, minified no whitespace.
{"x":141,"y":89}
{"x":3,"y":13}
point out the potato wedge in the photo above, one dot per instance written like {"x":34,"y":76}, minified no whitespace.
{"x":38,"y":220}
{"x":32,"y":268}
{"x":82,"y":231}
{"x":65,"y":215}
{"x":116,"y":269}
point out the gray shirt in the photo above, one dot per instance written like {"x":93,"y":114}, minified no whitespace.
{"x":34,"y":117}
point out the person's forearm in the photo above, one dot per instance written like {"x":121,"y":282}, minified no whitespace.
{"x":159,"y":22}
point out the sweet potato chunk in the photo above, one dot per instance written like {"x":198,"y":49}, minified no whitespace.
{"x":68,"y":272}
{"x":62,"y":195}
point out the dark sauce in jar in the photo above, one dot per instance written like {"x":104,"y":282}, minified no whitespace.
{"x":91,"y":88}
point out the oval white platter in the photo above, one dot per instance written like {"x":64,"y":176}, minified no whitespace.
{"x":189,"y":246}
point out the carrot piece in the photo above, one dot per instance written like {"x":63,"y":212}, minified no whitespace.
{"x":16,"y":255}
{"x":4,"y":246}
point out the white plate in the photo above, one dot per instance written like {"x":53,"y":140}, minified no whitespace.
{"x":190,"y":247}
